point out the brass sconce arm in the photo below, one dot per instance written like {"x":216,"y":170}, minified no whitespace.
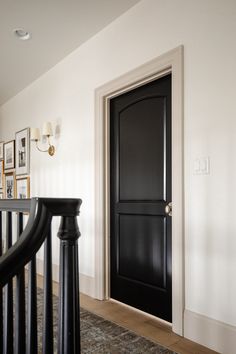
{"x":51,"y":149}
{"x":47,"y":131}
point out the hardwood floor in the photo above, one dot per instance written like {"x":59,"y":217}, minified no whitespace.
{"x":142,"y":324}
{"x":138,"y":322}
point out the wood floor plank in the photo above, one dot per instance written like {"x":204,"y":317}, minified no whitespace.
{"x":185,"y":346}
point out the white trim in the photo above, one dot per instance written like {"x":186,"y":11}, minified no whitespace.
{"x":211,"y":333}
{"x":86,"y":283}
{"x":169,"y":62}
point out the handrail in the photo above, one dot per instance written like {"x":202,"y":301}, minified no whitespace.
{"x":18,"y":205}
{"x":41,"y":212}
{"x":23,"y":252}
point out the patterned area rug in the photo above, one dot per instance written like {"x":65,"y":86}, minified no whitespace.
{"x":100,"y":336}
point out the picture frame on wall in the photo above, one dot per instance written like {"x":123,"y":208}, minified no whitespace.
{"x":1,"y":173}
{"x":9,"y":155}
{"x":23,"y":188}
{"x":22,"y":152}
{"x":1,"y":150}
{"x":9,"y":186}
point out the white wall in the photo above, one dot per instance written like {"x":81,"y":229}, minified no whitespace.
{"x":65,"y":95}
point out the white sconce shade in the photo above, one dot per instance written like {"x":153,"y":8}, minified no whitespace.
{"x":34,"y":134}
{"x":47,"y":129}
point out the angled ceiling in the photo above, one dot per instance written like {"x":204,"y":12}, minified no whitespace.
{"x":57,"y":26}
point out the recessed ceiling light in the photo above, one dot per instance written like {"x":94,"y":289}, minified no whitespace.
{"x":22,"y":34}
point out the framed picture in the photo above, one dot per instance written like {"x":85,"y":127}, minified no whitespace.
{"x":23,"y":152}
{"x":23,"y":188}
{"x":1,"y":150}
{"x":9,"y":155}
{"x":1,"y":173}
{"x":9,"y":186}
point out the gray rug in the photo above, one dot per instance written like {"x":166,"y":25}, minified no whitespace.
{"x":100,"y":336}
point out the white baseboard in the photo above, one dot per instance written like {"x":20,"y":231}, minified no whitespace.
{"x":211,"y":333}
{"x":86,"y":283}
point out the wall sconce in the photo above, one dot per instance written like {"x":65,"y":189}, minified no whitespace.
{"x":46,"y":132}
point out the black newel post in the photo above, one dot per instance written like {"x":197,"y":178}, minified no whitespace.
{"x":69,"y":315}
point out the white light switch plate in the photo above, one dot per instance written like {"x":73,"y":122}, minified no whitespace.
{"x":202,"y":166}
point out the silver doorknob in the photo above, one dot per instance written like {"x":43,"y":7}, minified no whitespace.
{"x":168,"y":209}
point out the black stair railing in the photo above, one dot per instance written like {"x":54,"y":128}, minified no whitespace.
{"x":18,"y":327}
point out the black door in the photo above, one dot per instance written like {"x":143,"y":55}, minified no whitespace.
{"x":140,"y":145}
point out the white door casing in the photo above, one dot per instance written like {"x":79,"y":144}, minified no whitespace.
{"x":170,"y":62}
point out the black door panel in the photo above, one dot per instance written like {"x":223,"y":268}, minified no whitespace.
{"x":140,"y":189}
{"x":137,"y":125}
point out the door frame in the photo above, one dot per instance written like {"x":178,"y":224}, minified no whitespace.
{"x":170,"y":62}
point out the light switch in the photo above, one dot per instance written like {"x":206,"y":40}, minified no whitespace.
{"x":202,"y":166}
{"x":196,"y":166}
